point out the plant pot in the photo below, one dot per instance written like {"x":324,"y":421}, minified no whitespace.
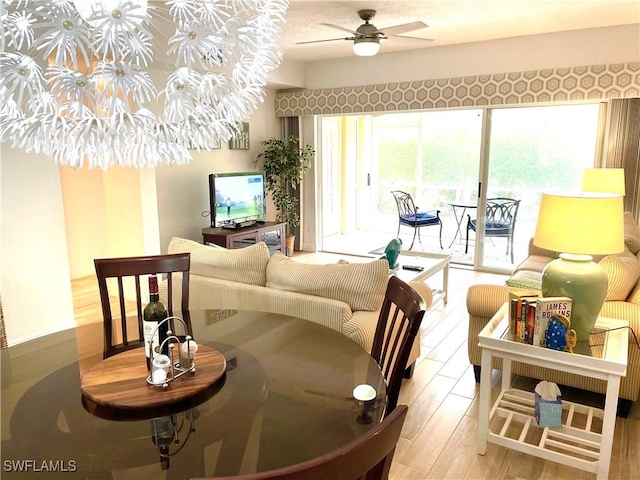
{"x":290,"y":241}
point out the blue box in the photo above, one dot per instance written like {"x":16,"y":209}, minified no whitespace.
{"x":548,"y":412}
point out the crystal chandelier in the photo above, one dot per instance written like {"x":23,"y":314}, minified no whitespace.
{"x":76,"y":81}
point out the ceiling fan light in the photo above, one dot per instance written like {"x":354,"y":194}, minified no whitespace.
{"x":366,"y":46}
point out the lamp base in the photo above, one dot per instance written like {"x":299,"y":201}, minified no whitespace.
{"x":582,"y":280}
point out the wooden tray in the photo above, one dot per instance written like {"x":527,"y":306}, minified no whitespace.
{"x":120,"y":381}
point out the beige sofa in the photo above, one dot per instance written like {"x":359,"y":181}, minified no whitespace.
{"x":622,"y":301}
{"x":344,"y":296}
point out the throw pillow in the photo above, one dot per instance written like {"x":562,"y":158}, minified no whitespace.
{"x":360,"y":285}
{"x":631,"y":233}
{"x":623,"y":272}
{"x":524,"y":284}
{"x":244,"y":265}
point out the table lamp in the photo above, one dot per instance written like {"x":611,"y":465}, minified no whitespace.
{"x":579,"y":226}
{"x":609,"y":180}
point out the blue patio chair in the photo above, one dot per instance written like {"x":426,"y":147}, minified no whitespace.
{"x":500,"y":221}
{"x":409,"y":216}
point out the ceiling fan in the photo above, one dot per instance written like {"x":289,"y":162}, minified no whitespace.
{"x":366,"y":38}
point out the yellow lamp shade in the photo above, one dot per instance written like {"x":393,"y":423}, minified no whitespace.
{"x":588,"y":223}
{"x":608,"y":180}
{"x":579,"y":226}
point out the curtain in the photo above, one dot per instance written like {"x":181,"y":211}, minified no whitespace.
{"x":622,"y":147}
{"x":3,"y":335}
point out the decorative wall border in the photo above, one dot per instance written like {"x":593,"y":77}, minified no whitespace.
{"x":596,"y":82}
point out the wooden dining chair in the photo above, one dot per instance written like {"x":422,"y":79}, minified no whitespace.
{"x":368,"y":457}
{"x":400,"y":318}
{"x":117,"y":336}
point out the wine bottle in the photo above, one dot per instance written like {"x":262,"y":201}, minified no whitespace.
{"x":154,"y":313}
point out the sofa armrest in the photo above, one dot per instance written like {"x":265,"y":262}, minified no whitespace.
{"x":483,"y":301}
{"x":424,"y":291}
{"x":630,"y":385}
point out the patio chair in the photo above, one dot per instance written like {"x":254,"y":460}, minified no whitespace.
{"x":409,"y":216}
{"x":500,"y":221}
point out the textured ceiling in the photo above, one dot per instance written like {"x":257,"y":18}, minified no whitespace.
{"x":450,"y":21}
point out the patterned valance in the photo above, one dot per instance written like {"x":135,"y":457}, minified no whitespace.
{"x":596,"y":82}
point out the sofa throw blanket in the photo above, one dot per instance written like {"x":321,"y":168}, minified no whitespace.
{"x":360,"y":285}
{"x":245,"y":265}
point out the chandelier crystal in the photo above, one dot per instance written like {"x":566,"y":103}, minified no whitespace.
{"x":79,"y":79}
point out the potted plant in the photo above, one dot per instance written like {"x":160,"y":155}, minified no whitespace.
{"x":284,"y":162}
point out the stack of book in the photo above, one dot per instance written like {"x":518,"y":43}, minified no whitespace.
{"x":529,"y":316}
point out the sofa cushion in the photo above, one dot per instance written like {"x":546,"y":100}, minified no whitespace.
{"x":534,"y":263}
{"x":631,"y":233}
{"x":622,"y":272}
{"x":245,"y":265}
{"x":360,"y":285}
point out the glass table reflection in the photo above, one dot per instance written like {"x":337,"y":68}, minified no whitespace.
{"x":285,"y":397}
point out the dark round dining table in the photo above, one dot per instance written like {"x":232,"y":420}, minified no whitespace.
{"x":285,"y":397}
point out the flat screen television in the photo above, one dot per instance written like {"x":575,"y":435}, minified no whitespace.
{"x":236,"y":197}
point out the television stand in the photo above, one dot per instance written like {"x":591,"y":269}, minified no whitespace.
{"x":272,"y":233}
{"x":236,"y":226}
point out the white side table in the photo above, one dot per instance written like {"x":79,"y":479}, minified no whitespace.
{"x":574,"y":444}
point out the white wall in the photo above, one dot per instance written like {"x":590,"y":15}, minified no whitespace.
{"x":183,"y":192}
{"x":594,"y":46}
{"x":290,"y":74}
{"x":36,"y":291}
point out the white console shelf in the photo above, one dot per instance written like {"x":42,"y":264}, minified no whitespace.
{"x":575,"y":444}
{"x":585,"y":439}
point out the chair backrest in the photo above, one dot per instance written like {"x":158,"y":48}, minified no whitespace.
{"x":121,"y":338}
{"x":368,"y":457}
{"x":406,"y":206}
{"x":502,"y":211}
{"x":400,"y":317}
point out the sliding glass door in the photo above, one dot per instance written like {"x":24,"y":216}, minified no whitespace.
{"x":531,"y":150}
{"x":450,"y":162}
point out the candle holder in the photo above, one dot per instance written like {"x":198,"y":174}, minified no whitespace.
{"x":163,"y":367}
{"x":365,"y":397}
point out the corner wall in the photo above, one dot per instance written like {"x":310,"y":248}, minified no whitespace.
{"x":36,"y":291}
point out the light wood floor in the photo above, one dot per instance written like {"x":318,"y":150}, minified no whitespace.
{"x":439,"y":436}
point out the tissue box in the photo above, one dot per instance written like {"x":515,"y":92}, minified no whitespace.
{"x":548,"y":412}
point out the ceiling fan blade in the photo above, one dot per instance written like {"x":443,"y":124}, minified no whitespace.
{"x":353,"y":32}
{"x":399,"y":29}
{"x":326,"y":40}
{"x":415,"y":38}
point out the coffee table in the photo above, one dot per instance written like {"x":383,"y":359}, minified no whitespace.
{"x":576,"y":444}
{"x":431,"y":263}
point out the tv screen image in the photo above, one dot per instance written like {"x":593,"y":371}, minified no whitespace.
{"x":236,"y":197}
